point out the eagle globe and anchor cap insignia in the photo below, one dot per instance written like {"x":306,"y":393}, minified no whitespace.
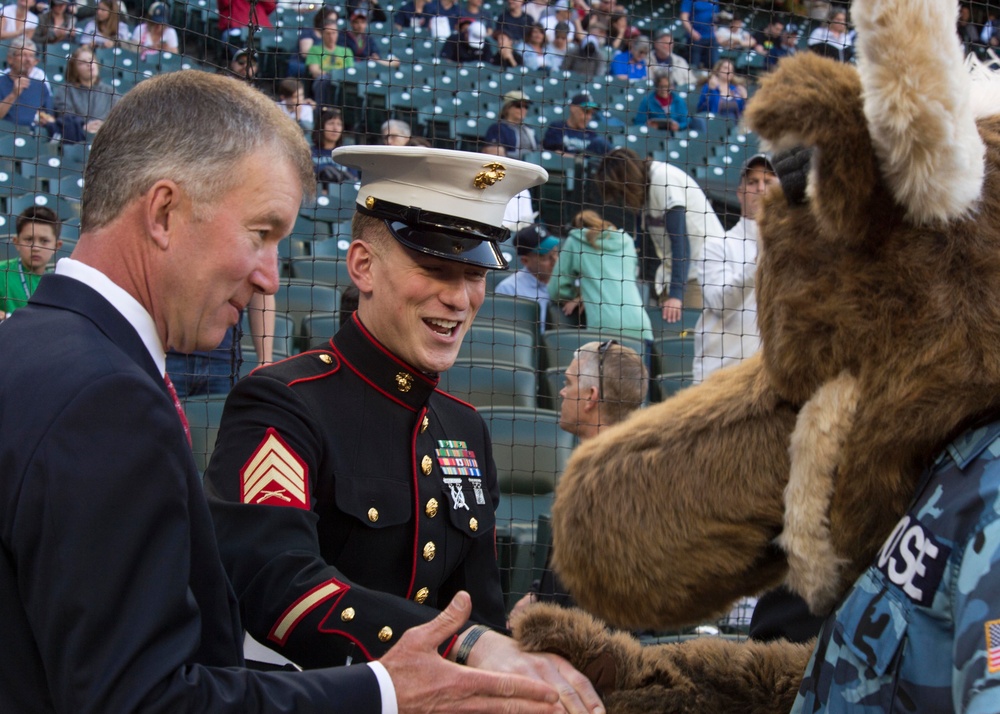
{"x":494,"y":172}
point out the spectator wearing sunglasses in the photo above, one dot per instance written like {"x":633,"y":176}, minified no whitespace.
{"x":510,"y":132}
{"x":603,"y":385}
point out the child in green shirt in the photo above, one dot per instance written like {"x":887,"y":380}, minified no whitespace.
{"x":37,"y":241}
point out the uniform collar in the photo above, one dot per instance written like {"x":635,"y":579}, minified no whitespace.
{"x":381,"y":369}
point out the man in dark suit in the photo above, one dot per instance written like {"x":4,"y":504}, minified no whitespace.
{"x":113,"y":595}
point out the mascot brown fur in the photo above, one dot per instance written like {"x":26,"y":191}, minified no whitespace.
{"x":878,"y":303}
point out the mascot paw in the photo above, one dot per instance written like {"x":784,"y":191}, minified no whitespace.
{"x":703,"y":674}
{"x":586,"y":642}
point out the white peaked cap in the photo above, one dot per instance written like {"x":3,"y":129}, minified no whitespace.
{"x":450,"y":200}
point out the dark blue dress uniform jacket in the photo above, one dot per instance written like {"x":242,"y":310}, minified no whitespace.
{"x":112,"y":595}
{"x":352,"y":500}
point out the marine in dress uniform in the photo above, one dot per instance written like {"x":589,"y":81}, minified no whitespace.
{"x":352,"y":498}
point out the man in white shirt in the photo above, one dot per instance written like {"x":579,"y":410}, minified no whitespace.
{"x":727,"y":330}
{"x":114,"y":595}
{"x":538,"y":251}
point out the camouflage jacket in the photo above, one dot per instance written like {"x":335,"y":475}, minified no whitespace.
{"x":920,"y":630}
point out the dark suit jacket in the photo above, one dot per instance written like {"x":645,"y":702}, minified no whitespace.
{"x":111,"y":589}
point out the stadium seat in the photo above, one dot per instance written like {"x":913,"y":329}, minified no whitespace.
{"x":334,"y":206}
{"x":325,"y":272}
{"x":317,"y":330}
{"x":482,"y":384}
{"x":500,"y":346}
{"x":66,"y":210}
{"x":562,"y":343}
{"x":510,"y":312}
{"x":204,"y":415}
{"x":298,"y":299}
{"x":530,"y":452}
{"x":664,"y":386}
{"x":674,"y":354}
{"x":551,"y":383}
{"x":689,"y":320}
{"x":285,"y":331}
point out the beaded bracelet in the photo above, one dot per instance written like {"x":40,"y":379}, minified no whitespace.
{"x":462,"y":657}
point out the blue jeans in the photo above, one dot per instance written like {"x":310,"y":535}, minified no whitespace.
{"x":704,"y":52}
{"x":193,"y":375}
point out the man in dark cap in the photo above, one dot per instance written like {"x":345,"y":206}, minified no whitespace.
{"x":574,"y":135}
{"x":538,"y":251}
{"x":351,"y":498}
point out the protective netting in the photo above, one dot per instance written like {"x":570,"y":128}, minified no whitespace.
{"x":573,"y":87}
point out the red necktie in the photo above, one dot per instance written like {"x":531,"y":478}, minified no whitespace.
{"x":178,"y":407}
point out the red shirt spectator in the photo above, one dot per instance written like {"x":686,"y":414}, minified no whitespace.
{"x":236,"y":13}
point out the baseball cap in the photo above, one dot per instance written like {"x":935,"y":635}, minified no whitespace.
{"x":445,"y":203}
{"x":534,"y":239}
{"x":584,"y":101}
{"x":477,"y":34}
{"x":513,"y":96}
{"x":755,"y":161}
{"x":159,"y":13}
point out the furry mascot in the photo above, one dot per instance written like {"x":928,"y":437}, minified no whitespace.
{"x":878,"y":300}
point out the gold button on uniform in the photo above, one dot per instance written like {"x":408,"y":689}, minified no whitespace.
{"x":473,"y":524}
{"x":421,"y":595}
{"x":432,"y":508}
{"x":424,"y":424}
{"x":426,"y":465}
{"x":385,"y":634}
{"x":404,"y":381}
{"x":372,"y":514}
{"x":326,"y":359}
{"x":430,"y":550}
{"x":347,"y":615}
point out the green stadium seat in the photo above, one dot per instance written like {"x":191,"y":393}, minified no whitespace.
{"x":66,"y":210}
{"x":561,"y":344}
{"x":317,"y":330}
{"x":204,"y":414}
{"x":686,"y":326}
{"x":328,"y":272}
{"x":500,"y":346}
{"x":483,"y":384}
{"x":664,"y":386}
{"x":298,"y":300}
{"x":530,"y":452}
{"x":510,"y":312}
{"x":285,"y":332}
{"x":674,"y":354}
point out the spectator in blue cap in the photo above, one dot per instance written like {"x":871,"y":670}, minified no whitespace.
{"x":573,"y":135}
{"x":538,"y":251}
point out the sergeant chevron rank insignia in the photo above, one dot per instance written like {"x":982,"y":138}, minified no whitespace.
{"x":275,"y":475}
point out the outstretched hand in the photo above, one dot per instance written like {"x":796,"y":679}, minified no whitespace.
{"x":425,"y":682}
{"x":496,"y":653}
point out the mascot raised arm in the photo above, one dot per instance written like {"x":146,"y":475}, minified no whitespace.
{"x":837,"y":459}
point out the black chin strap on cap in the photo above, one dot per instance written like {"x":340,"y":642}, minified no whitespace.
{"x":441,"y":235}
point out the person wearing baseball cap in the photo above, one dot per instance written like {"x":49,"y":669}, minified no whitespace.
{"x":381,"y":460}
{"x":727,"y":329}
{"x":573,"y":135}
{"x":538,"y":250}
{"x":511,"y":132}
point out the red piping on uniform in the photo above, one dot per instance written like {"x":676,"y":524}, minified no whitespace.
{"x":347,"y":636}
{"x":454,"y":639}
{"x":416,"y":500}
{"x":371,"y":384}
{"x":456,"y":399}
{"x":390,"y":355}
{"x":333,"y":368}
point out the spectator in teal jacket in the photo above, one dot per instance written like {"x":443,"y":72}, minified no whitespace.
{"x":596,"y":274}
{"x":662,"y":108}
